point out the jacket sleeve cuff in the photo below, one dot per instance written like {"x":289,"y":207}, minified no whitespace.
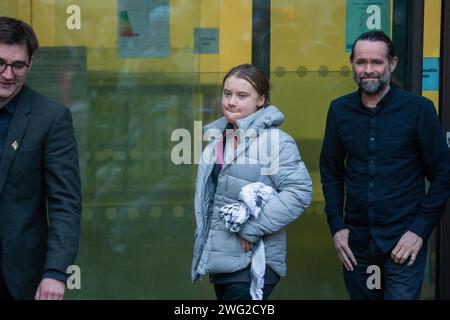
{"x":249,"y":233}
{"x":335,"y":223}
{"x":421,"y":227}
{"x":55,"y":275}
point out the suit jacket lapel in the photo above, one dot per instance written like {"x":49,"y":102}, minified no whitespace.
{"x":15,"y":134}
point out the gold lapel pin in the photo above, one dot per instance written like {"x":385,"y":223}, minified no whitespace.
{"x":15,"y":145}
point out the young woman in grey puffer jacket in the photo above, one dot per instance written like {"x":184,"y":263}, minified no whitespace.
{"x":245,"y":146}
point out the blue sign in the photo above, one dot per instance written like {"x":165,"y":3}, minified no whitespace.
{"x":430,"y":74}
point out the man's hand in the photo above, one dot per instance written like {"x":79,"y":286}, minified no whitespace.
{"x":246,"y":246}
{"x":408,"y":246}
{"x":344,"y":252}
{"x":50,"y":289}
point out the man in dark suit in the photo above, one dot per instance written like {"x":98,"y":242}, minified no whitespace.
{"x":40,"y":200}
{"x":380,"y":144}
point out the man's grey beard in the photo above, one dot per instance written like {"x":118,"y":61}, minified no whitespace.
{"x":373,"y":87}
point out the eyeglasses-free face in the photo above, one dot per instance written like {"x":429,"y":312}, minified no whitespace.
{"x":239,"y":99}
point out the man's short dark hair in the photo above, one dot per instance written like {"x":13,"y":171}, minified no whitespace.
{"x":376,"y":36}
{"x":14,"y":31}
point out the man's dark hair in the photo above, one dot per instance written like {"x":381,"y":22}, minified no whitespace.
{"x":376,"y":36}
{"x":14,"y":31}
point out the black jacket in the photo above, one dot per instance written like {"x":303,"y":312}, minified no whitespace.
{"x":40,"y":197}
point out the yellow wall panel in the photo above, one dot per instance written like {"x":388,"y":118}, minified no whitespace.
{"x":234,"y":20}
{"x":432,"y":38}
{"x":209,"y":18}
{"x":433,"y":96}
{"x":99,"y":34}
{"x":44,"y":21}
{"x":8,"y":9}
{"x":308,"y":33}
{"x":99,"y":27}
{"x":236,"y":33}
{"x":23,"y":10}
{"x":98,"y":24}
{"x":432,"y":28}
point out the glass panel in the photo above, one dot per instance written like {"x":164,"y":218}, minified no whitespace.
{"x":313,"y":269}
{"x":127,"y":99}
{"x":310,"y":68}
{"x":8,"y":8}
{"x":137,"y":205}
{"x":135,"y":72}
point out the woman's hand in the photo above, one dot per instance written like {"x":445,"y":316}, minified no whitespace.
{"x":246,"y":246}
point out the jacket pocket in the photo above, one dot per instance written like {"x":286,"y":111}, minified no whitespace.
{"x":225,"y":252}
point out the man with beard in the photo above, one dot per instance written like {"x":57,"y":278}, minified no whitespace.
{"x":380,"y":144}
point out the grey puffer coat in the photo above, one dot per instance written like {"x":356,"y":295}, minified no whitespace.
{"x":278,"y":164}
